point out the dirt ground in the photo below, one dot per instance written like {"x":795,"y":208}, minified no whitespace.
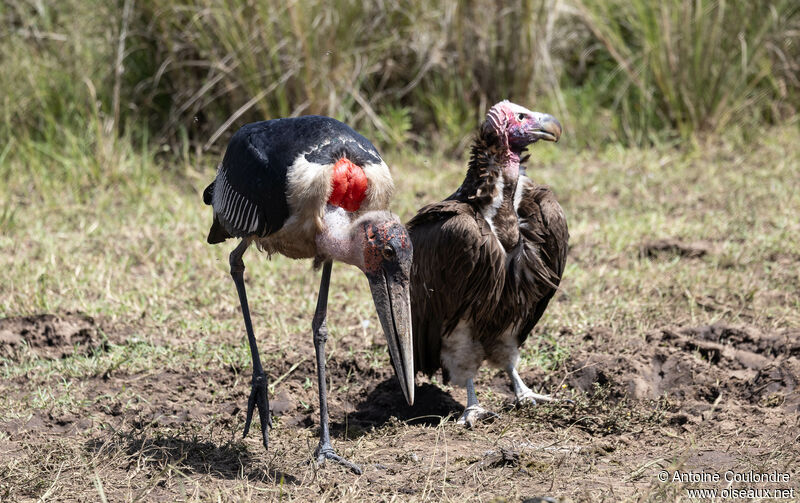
{"x":682,"y":398}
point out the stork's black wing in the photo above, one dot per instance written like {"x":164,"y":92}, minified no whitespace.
{"x":249,"y":192}
{"x":456,"y":274}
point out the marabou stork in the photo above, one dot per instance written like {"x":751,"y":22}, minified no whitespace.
{"x":312,"y":187}
{"x":487,"y":259}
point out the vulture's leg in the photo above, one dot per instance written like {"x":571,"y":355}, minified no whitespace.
{"x":474,"y":412}
{"x":524,"y":393}
{"x":325,"y":449}
{"x":258,"y":393}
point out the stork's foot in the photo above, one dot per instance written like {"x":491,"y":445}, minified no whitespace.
{"x":474,"y":414}
{"x":258,"y":398}
{"x":531,"y":398}
{"x":326,"y":452}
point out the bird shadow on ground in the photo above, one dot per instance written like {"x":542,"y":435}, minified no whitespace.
{"x":431,"y":406}
{"x":226,"y":461}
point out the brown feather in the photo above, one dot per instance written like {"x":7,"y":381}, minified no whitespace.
{"x":456,"y":259}
{"x":543,"y":250}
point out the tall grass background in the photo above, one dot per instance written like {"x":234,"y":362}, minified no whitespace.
{"x":92,"y":91}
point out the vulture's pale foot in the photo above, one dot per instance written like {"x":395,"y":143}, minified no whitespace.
{"x":258,"y":399}
{"x":474,"y":414}
{"x":530,"y":398}
{"x":524,"y":395}
{"x":325,"y":452}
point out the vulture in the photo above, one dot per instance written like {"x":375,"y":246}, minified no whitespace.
{"x":488,"y":259}
{"x":312,"y":187}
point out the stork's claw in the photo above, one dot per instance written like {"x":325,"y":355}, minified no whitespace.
{"x":258,"y":398}
{"x":325,"y":452}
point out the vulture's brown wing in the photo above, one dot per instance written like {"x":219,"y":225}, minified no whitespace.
{"x":543,"y":229}
{"x":457,"y":273}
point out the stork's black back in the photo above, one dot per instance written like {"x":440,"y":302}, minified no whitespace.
{"x":249,"y":192}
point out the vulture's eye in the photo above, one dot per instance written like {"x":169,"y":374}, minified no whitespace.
{"x":388,"y":252}
{"x":521,"y":117}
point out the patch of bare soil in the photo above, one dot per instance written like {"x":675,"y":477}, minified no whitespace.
{"x":711,"y":398}
{"x":709,"y":369}
{"x":49,"y":335}
{"x":675,"y":247}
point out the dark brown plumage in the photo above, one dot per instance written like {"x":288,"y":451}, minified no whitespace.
{"x":488,"y":259}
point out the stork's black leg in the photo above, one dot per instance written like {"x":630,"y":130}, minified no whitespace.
{"x":325,"y":449}
{"x":258,"y":393}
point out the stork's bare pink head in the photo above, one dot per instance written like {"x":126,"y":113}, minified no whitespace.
{"x":386,"y":245}
{"x":516,"y":127}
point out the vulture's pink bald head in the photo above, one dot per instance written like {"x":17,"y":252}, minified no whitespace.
{"x":516,"y":127}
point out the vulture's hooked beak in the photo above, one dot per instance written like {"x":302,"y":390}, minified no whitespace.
{"x":542,"y":127}
{"x":390,"y":292}
{"x":545,"y":127}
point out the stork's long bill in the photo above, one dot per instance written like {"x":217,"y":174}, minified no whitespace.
{"x":387,"y":264}
{"x":393,"y":304}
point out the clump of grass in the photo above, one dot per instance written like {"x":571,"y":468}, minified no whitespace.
{"x":696,"y":66}
{"x":177,"y":74}
{"x":189,"y":71}
{"x":386,"y":67}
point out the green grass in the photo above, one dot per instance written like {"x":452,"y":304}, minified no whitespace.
{"x":695,"y":66}
{"x":179,"y":77}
